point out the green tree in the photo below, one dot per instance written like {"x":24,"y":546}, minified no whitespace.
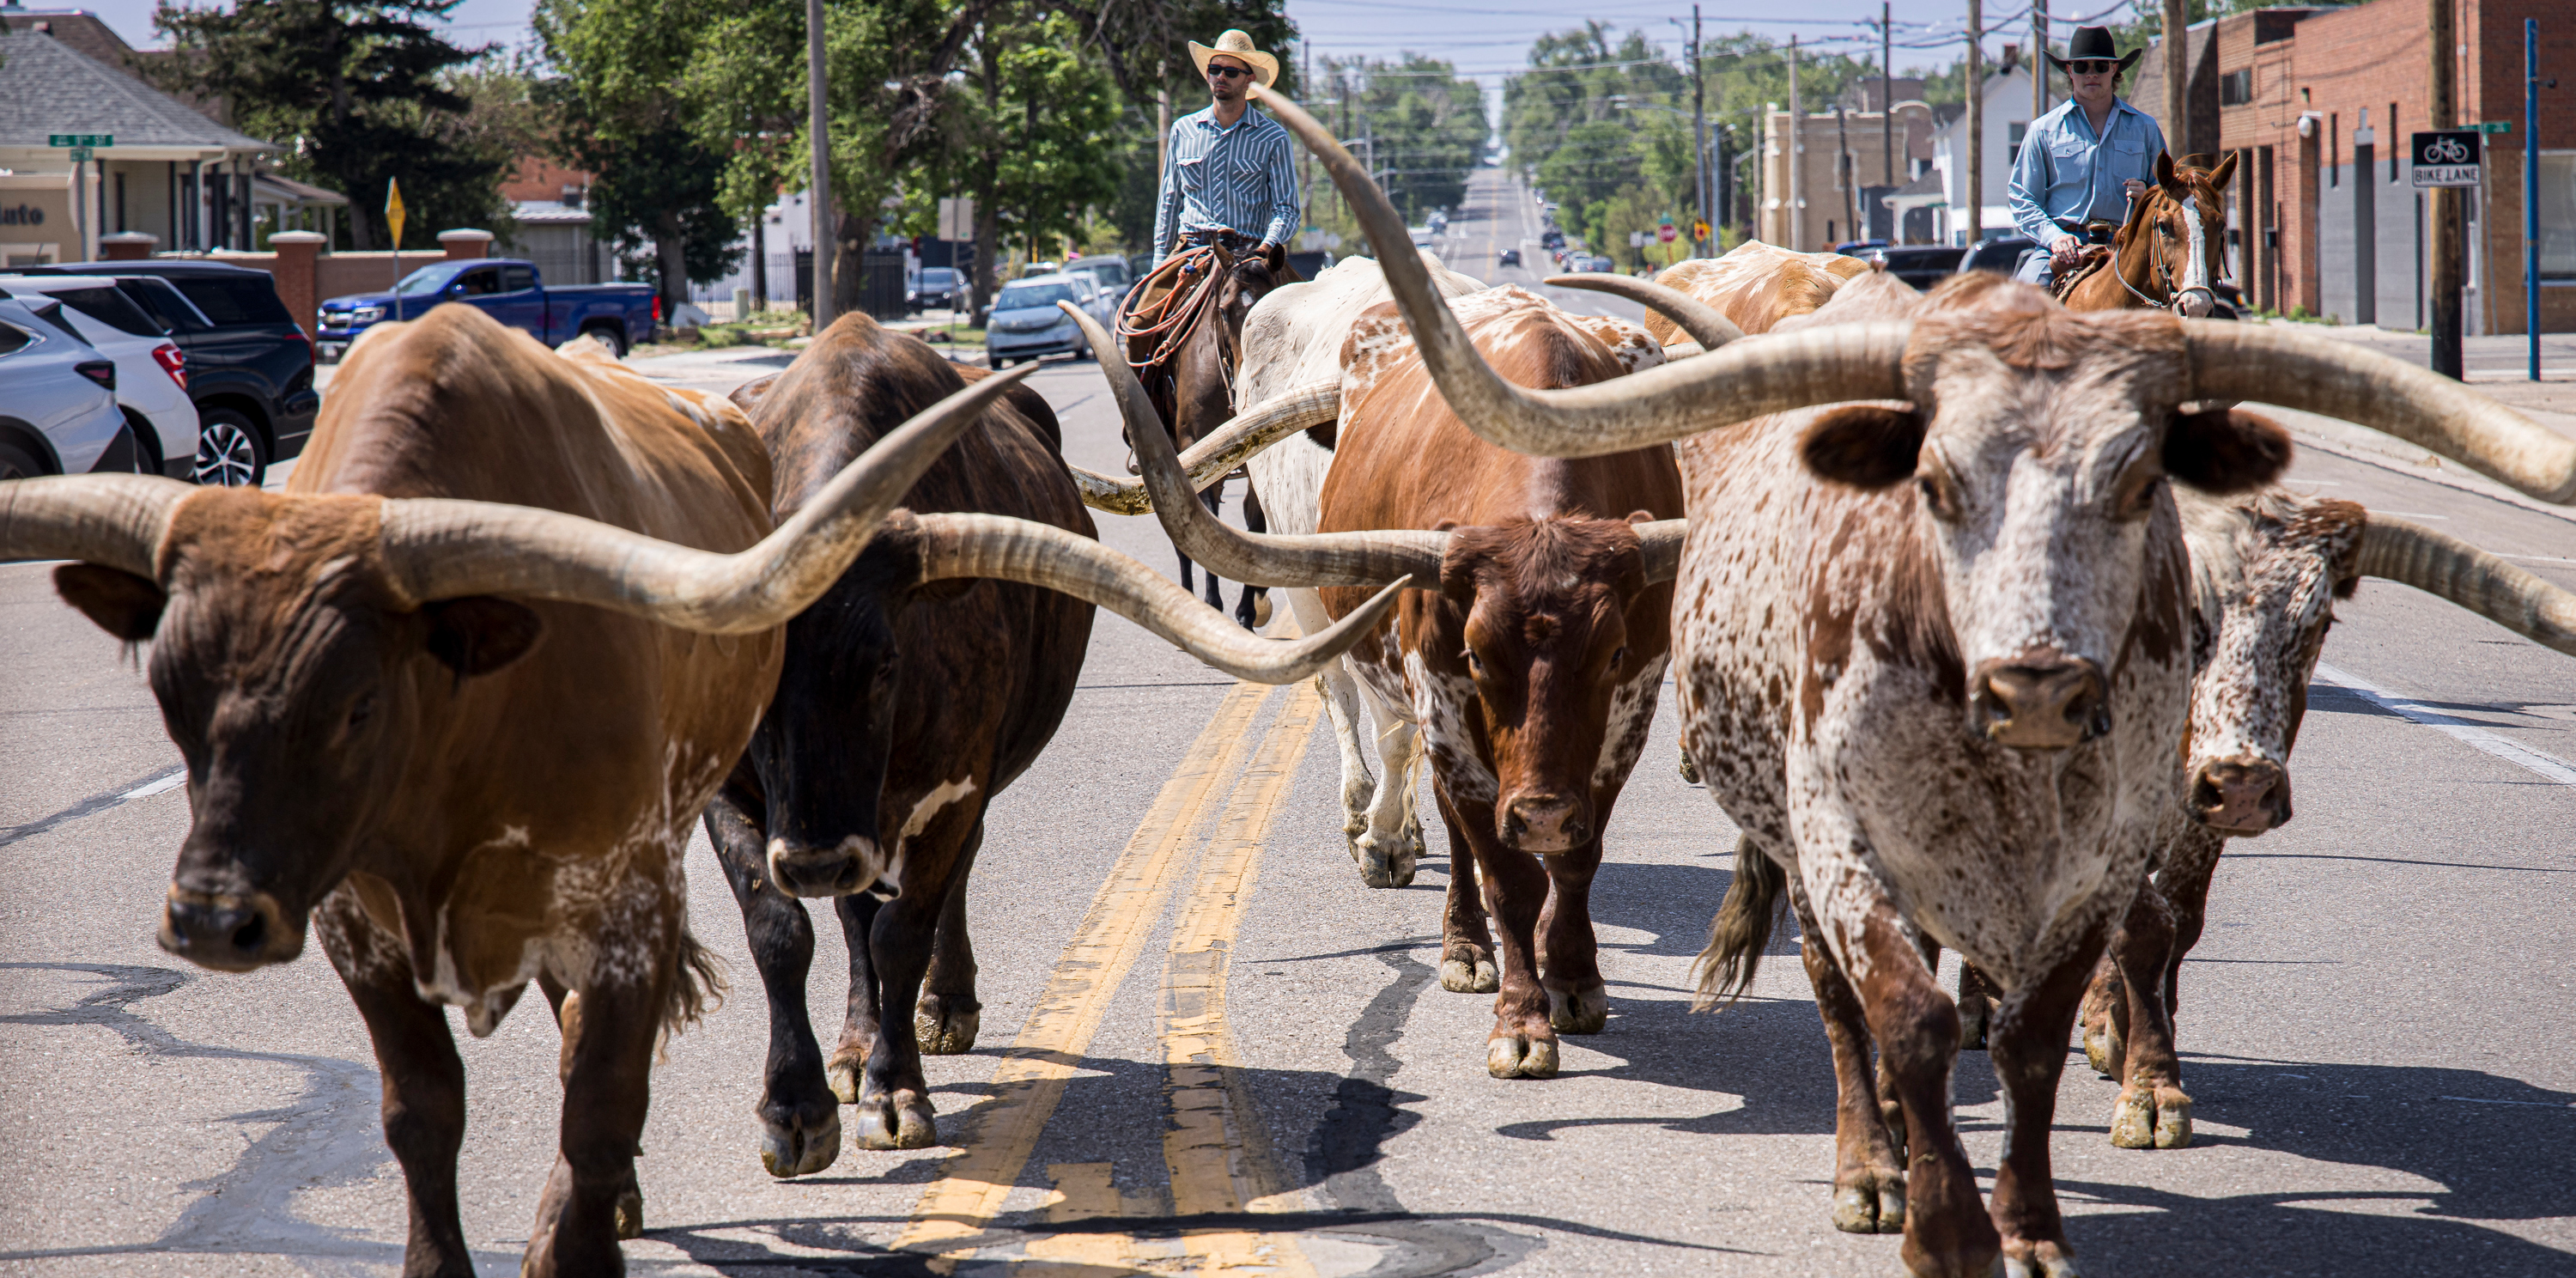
{"x":1595,"y":122}
{"x":366,"y":91}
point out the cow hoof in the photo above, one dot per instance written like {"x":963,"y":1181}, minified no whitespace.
{"x":1470,"y":976}
{"x":1260,"y":611}
{"x":944,"y":1030}
{"x":630,"y":1213}
{"x":1690,"y":770}
{"x":1581,"y":1012}
{"x":800,"y":1148}
{"x":843,"y":1076}
{"x":2151,"y":1118}
{"x":1512,"y":1056}
{"x":1975,"y":1011}
{"x":1876,"y":1205}
{"x":2046,"y":1260}
{"x":900,"y":1121}
{"x":2173,"y":1119}
{"x":1387,"y":863}
{"x":2102,"y":1050}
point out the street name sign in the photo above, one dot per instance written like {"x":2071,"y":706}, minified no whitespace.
{"x":2447,"y":157}
{"x":80,"y":139}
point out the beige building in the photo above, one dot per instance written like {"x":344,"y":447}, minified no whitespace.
{"x":1846,"y":162}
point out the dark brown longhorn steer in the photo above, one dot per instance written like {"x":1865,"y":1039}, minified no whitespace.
{"x":468,"y":792}
{"x":1934,"y":659}
{"x":1531,"y":671}
{"x":904,"y":706}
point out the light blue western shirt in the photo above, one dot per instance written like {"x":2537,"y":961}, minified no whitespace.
{"x":2066,"y":176}
{"x":1242,"y":178}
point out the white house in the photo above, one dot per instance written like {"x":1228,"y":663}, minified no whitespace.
{"x":2007,"y":117}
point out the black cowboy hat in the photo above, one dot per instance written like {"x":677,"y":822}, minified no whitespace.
{"x":2093,"y":44}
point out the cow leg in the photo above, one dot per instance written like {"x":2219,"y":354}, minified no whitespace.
{"x":1578,"y":1000}
{"x":1522,"y":1043}
{"x":1252,"y":607}
{"x":1916,"y":1026}
{"x":859,"y":1017}
{"x":1977,"y":998}
{"x":1869,"y":1168}
{"x":949,"y":1014}
{"x":1391,"y":847}
{"x":591,"y":1199}
{"x":423,"y":1080}
{"x":2028,"y":1047}
{"x":2152,"y":1111}
{"x":800,"y":1119}
{"x":1466,"y":948}
{"x":894,"y":1097}
{"x":1214,"y":499}
{"x":2103,"y":1018}
{"x":2184,"y":879}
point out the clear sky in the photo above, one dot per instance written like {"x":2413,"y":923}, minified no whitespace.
{"x":1488,"y":38}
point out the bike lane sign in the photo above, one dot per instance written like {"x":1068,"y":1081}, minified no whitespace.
{"x":2447,"y":157}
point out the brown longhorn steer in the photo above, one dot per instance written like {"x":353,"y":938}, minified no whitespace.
{"x":1531,"y":671}
{"x":1934,"y":659}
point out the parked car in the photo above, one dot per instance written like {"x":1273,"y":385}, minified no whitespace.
{"x":58,"y":413}
{"x":1027,"y":325}
{"x":250,"y":366}
{"x":509,"y":290}
{"x":151,"y":371}
{"x":1921,"y":265}
{"x":2001,"y":255}
{"x":1509,"y":257}
{"x":1114,"y":273}
{"x":1858,"y":248}
{"x":1551,"y":239}
{"x":936,"y":286}
{"x":1590,"y":262}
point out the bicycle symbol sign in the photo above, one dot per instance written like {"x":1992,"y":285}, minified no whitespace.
{"x":2446,"y":158}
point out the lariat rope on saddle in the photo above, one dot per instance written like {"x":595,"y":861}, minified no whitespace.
{"x":1171,"y":319}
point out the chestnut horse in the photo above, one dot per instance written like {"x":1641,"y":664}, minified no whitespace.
{"x":2170,"y":256}
{"x":1183,"y":329}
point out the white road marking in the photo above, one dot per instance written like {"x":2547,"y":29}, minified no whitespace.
{"x":170,"y":780}
{"x":2546,"y":766}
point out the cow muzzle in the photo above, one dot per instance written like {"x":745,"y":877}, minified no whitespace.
{"x":2041,"y":700}
{"x":839,"y":870}
{"x":229,"y":932}
{"x":2243,"y":795}
{"x":1544,"y":823}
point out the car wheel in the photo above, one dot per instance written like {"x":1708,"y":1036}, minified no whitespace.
{"x":18,"y":463}
{"x":147,"y":443}
{"x":1000,"y":362}
{"x":608,"y":334}
{"x":229,"y":452}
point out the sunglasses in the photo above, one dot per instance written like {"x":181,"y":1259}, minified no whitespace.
{"x":1227,"y":72}
{"x":2092,"y":68}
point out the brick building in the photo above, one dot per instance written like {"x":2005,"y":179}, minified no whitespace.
{"x":2319,"y":106}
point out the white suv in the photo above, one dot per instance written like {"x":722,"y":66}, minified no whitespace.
{"x":151,"y":374}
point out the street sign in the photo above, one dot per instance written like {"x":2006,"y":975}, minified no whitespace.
{"x":1666,"y":233}
{"x":394,"y":211}
{"x":2492,"y":126}
{"x":956,"y":219}
{"x":80,"y":139}
{"x":1699,"y":230}
{"x":2446,"y":157}
{"x":80,"y":155}
{"x":1636,"y":239}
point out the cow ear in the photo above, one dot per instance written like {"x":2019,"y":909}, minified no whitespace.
{"x":1863,"y":445}
{"x":124,"y":605}
{"x":480,"y":634}
{"x":2225,"y":450}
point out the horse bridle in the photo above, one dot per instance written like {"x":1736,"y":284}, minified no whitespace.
{"x":2174,"y":295}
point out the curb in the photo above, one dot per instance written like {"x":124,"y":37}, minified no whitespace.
{"x":2322,"y":434}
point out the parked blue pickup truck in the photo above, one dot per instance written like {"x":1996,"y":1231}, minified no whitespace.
{"x":508,"y":290}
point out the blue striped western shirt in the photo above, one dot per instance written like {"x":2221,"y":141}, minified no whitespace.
{"x":2067,"y":174}
{"x":1242,"y":178}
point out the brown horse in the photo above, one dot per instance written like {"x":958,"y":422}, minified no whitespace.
{"x":1184,"y":328}
{"x":2170,"y":256}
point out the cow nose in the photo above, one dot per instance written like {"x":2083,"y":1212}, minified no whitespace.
{"x":1545,"y":823}
{"x":2041,"y":701}
{"x":228,"y":932}
{"x":803,"y":870}
{"x":2242,"y":795}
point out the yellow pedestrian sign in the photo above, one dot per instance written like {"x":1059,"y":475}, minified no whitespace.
{"x":1699,"y":230}
{"x":394,"y":209}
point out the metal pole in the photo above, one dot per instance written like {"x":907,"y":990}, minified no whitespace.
{"x":2531,"y":189}
{"x":819,"y":136}
{"x":1886,"y":108}
{"x":2450,"y":264}
{"x":1797,"y":167}
{"x":1699,"y":134}
{"x":1975,"y":188}
{"x":80,"y":210}
{"x":2039,"y":62}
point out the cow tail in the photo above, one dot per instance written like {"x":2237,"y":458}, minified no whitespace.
{"x":697,"y":984}
{"x":1742,"y":929}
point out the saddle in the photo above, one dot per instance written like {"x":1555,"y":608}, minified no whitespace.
{"x":1167,"y":307}
{"x":2096,"y":235}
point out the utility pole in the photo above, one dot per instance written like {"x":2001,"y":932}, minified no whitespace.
{"x":1797,"y":151}
{"x":819,"y":134}
{"x":2177,"y":75}
{"x":2530,"y":189}
{"x":1846,"y":175}
{"x":1886,"y":104}
{"x":2038,"y":60}
{"x":1699,"y":134}
{"x":1973,"y":185}
{"x":2449,"y":255}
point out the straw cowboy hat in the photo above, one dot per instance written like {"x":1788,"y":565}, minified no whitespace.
{"x":1238,"y":46}
{"x":2091,"y":44}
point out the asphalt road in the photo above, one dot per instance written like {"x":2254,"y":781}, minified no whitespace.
{"x":1193,"y":1007}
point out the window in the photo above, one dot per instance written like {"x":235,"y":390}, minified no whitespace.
{"x":1019,"y":297}
{"x":2393,"y":145}
{"x":2236,"y":88}
{"x":2012,"y":148}
{"x":425,"y":282}
{"x":518,"y":279}
{"x":248,"y":299}
{"x":111,"y":308}
{"x":481,"y":281}
{"x":2557,"y":246}
{"x":12,"y":338}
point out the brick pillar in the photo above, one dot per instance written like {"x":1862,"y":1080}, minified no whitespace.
{"x":294,"y":275}
{"x":465,"y":243}
{"x":2299,"y":264}
{"x":126,"y":246}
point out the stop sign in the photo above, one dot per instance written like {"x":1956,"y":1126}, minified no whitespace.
{"x":1666,"y":233}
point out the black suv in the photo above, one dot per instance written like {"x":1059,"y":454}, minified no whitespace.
{"x":250,"y":367}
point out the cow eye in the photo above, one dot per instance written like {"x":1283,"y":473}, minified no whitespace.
{"x":1474,"y":666}
{"x":1940,"y":495}
{"x":1619,"y":658}
{"x":361,"y":710}
{"x":2137,"y":493}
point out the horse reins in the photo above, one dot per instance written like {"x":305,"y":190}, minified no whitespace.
{"x":2175,"y":294}
{"x":1177,"y":315}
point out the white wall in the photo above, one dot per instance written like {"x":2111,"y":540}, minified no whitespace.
{"x":2007,"y":104}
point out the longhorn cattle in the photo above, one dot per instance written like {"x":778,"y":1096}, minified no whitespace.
{"x":468,"y":792}
{"x":1933,"y":658}
{"x":1531,"y":672}
{"x":1756,"y":285}
{"x":908,"y":701}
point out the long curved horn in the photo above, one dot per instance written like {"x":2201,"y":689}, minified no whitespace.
{"x":2283,"y":366}
{"x":1784,"y":371}
{"x":116,"y":521}
{"x":442,"y":549}
{"x":1706,"y":324}
{"x":1215,"y":457}
{"x":1021,"y":550}
{"x":1322,"y":559}
{"x":1663,"y":546}
{"x":2440,"y":564}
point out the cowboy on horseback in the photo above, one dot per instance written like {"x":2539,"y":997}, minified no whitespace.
{"x":1231,"y":175}
{"x":2082,"y":163}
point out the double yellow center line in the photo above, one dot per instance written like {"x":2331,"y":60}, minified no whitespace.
{"x":1216,"y":1147}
